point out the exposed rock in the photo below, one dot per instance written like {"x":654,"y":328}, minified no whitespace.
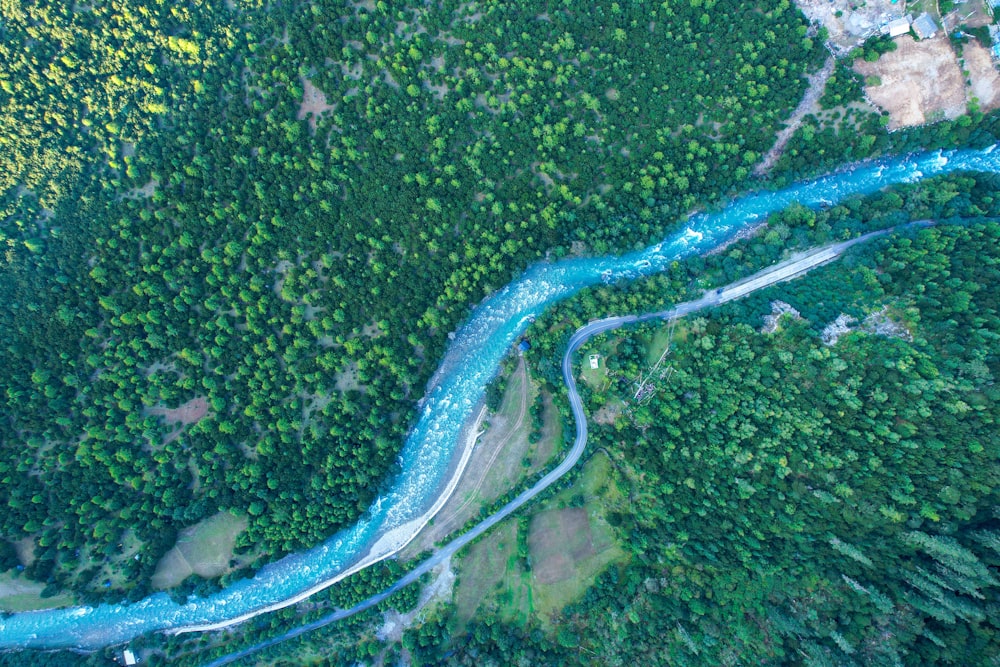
{"x":840,"y":326}
{"x":778,"y":310}
{"x":879,"y":323}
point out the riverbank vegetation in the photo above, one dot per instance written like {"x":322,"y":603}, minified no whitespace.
{"x":234,"y":291}
{"x":235,"y":239}
{"x":791,"y":499}
{"x":895,"y":289}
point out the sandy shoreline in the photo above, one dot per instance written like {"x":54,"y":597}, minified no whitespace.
{"x":388,"y":545}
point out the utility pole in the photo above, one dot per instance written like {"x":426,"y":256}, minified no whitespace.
{"x":666,"y":351}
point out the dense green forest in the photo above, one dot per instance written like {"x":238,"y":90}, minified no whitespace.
{"x":236,"y":236}
{"x":781,"y":500}
{"x":790,"y":501}
{"x":271,"y":216}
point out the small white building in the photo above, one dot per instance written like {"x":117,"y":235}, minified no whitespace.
{"x":899,"y":26}
{"x":128,"y":657}
{"x":595,"y":361}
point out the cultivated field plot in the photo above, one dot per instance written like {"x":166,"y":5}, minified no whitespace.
{"x":570,"y":546}
{"x":919,"y":82}
{"x":204,"y":549}
{"x":491,"y":576}
{"x":559,"y":539}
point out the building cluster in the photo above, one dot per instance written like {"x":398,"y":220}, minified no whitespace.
{"x":923,"y":26}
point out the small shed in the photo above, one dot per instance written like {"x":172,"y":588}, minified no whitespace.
{"x":128,"y":657}
{"x":924,"y":26}
{"x":523,"y":346}
{"x":595,"y":361}
{"x":899,"y":26}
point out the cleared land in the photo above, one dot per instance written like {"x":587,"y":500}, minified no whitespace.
{"x":570,"y":546}
{"x":917,"y":83}
{"x":17,"y":594}
{"x":204,"y":549}
{"x":985,"y":80}
{"x":180,"y":417}
{"x":497,"y":463}
{"x":569,"y":543}
{"x":314,"y":103}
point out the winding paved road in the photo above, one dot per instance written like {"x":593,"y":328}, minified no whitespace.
{"x":787,"y":270}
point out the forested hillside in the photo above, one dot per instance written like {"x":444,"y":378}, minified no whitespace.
{"x":232,"y":285}
{"x":788,"y":499}
{"x":80,"y":85}
{"x":841,"y":497}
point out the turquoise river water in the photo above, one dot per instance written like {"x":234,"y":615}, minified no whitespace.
{"x":470,"y":363}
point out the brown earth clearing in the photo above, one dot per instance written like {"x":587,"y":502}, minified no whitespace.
{"x":185,"y":415}
{"x":919,"y":82}
{"x":984,"y":76}
{"x":314,"y":103}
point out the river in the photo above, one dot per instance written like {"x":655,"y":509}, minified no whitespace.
{"x":470,"y":362}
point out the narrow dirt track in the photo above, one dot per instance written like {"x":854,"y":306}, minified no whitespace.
{"x":817,"y":82}
{"x":522,"y":372}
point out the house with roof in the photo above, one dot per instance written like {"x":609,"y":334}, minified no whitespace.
{"x":924,"y":26}
{"x":899,"y":26}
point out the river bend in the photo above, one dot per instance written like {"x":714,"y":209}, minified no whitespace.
{"x":469,"y":364}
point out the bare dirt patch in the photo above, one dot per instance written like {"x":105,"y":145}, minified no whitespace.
{"x":917,"y":83}
{"x":314,"y":103}
{"x":984,"y":76}
{"x":187,"y":414}
{"x":608,"y":413}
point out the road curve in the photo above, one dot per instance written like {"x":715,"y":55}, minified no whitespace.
{"x":772,"y":275}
